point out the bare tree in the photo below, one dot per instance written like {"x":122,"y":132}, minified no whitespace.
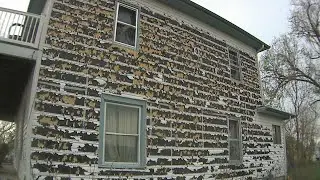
{"x":291,"y":77}
{"x":7,"y":132}
{"x":301,"y":130}
{"x":295,"y":56}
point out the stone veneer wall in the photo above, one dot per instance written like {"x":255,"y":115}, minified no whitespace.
{"x":182,"y":72}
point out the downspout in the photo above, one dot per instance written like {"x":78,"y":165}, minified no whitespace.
{"x":262,"y":47}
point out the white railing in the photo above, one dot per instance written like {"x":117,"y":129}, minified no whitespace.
{"x":20,"y":27}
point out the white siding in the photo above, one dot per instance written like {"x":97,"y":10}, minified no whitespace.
{"x":278,"y":151}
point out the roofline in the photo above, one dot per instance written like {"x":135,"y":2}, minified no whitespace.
{"x":226,"y":26}
{"x":275,"y":112}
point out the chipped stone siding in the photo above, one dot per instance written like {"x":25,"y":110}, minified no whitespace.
{"x":182,"y":71}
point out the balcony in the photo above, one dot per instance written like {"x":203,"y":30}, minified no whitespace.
{"x":20,"y":35}
{"x":21,"y":29}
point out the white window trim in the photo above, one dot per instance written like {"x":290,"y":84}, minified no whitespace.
{"x":136,"y":26}
{"x":236,"y":162}
{"x":141,"y":153}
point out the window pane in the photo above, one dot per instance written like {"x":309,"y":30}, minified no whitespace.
{"x":234,"y":150}
{"x":127,"y":15}
{"x":126,"y":34}
{"x":276,"y":134}
{"x":233,"y":57}
{"x":234,"y":129}
{"x":121,"y":148}
{"x":122,"y":119}
{"x":235,"y":73}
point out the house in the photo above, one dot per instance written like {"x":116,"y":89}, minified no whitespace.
{"x":136,"y":89}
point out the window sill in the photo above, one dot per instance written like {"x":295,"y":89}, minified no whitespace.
{"x":127,"y":167}
{"x":235,"y":80}
{"x":233,"y":162}
{"x":123,"y":45}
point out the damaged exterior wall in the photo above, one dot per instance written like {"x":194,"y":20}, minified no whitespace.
{"x":182,"y":70}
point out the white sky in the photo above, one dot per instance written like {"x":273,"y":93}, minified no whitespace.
{"x":264,"y":19}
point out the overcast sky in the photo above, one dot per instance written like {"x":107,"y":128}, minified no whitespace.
{"x":263,"y":19}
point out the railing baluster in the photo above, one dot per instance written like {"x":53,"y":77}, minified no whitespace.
{"x":19,"y":28}
{"x":30,"y":26}
{"x":14,"y":28}
{"x":7,"y":27}
{"x":23,"y":19}
{"x":3,"y":24}
{"x":24,"y":29}
{"x":34,"y":27}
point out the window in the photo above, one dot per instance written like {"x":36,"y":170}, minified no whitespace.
{"x":126,"y":25}
{"x":234,"y":141}
{"x":122,"y":140}
{"x":276,"y":134}
{"x":234,"y":64}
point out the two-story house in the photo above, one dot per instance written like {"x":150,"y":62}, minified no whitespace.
{"x":135,"y":89}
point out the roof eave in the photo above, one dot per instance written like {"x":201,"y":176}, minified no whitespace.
{"x":275,"y":113}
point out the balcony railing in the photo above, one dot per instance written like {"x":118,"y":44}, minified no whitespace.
{"x":20,"y":27}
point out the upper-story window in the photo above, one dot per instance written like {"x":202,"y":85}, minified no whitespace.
{"x":122,"y":140}
{"x":276,"y":131}
{"x":126,"y":29}
{"x":234,"y":64}
{"x":234,"y":140}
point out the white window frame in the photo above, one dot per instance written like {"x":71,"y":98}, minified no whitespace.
{"x":141,"y":151}
{"x":136,"y":26}
{"x":237,"y":66}
{"x":239,"y":140}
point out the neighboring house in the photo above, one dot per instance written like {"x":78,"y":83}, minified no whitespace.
{"x":136,"y":89}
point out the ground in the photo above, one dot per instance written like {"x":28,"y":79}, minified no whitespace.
{"x":309,"y":172}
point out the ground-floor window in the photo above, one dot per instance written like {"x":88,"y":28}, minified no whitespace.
{"x":122,"y":132}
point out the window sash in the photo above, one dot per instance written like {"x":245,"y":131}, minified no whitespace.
{"x":276,"y":134}
{"x":238,"y":159}
{"x":236,"y":129}
{"x":141,"y":139}
{"x":234,"y":62}
{"x":123,"y":152}
{"x":232,"y":140}
{"x":233,"y":57}
{"x":126,"y":24}
{"x":123,"y":134}
{"x":237,"y":74}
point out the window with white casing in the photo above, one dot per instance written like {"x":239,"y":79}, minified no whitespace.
{"x":234,"y":64}
{"x":276,"y":134}
{"x":235,"y":147}
{"x":122,"y":140}
{"x":126,"y":26}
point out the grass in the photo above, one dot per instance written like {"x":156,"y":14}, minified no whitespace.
{"x":308,"y":172}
